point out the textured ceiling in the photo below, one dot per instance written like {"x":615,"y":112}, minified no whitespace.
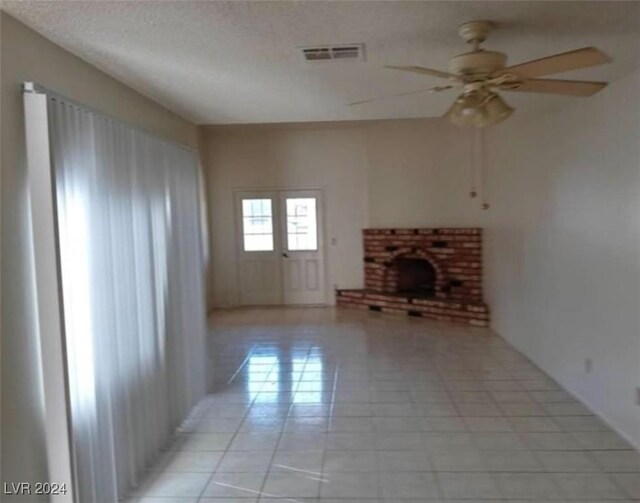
{"x":236,"y":62}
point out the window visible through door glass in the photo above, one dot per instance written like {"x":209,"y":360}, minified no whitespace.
{"x":257,"y":225}
{"x":302,"y":232}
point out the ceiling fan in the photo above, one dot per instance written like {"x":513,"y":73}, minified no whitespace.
{"x":480,"y":73}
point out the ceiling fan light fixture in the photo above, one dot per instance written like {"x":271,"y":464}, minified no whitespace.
{"x":478,"y":109}
{"x":496,"y":110}
{"x":467,"y":110}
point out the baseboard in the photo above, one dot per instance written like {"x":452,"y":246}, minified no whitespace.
{"x":635,"y":443}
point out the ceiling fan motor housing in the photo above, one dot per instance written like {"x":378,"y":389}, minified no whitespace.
{"x":475,"y":31}
{"x":481,"y":63}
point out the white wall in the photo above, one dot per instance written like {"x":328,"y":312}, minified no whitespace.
{"x":25,"y":55}
{"x":563,"y":246}
{"x":419,"y":174}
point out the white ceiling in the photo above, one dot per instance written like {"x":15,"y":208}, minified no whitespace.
{"x":236,"y":62}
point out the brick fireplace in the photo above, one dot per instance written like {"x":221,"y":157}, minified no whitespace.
{"x":430,"y":273}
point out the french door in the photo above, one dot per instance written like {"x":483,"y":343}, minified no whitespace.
{"x":281,"y":248}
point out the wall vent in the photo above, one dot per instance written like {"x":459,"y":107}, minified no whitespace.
{"x":333,"y":52}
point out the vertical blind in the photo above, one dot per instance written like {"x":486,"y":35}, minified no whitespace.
{"x":132,"y":289}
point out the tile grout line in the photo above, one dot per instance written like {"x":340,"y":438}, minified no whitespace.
{"x":328,"y":428}
{"x":244,"y":416}
{"x":277,"y":444}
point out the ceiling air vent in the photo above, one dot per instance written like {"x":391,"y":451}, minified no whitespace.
{"x":333,"y":52}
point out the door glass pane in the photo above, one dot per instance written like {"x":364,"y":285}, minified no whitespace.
{"x":302,"y":231}
{"x":257,"y":225}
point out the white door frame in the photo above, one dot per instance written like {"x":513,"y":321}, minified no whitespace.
{"x":236,"y":191}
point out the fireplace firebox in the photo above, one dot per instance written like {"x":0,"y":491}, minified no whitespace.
{"x":415,"y":276}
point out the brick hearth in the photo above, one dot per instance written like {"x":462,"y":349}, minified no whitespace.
{"x":453,"y":254}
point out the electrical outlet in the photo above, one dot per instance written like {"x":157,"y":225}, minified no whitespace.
{"x":588,"y":365}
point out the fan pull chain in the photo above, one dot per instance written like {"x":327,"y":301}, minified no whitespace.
{"x":484,"y":203}
{"x":473,"y":191}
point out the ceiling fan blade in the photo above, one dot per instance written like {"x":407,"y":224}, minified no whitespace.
{"x":566,"y":87}
{"x":429,"y":90}
{"x":424,"y":71}
{"x":572,"y":60}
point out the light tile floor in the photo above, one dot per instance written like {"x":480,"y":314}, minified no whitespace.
{"x":336,"y":406}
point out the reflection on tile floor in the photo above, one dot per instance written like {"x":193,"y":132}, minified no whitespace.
{"x":324,"y":405}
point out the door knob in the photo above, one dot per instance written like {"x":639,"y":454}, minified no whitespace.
{"x":285,"y":255}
